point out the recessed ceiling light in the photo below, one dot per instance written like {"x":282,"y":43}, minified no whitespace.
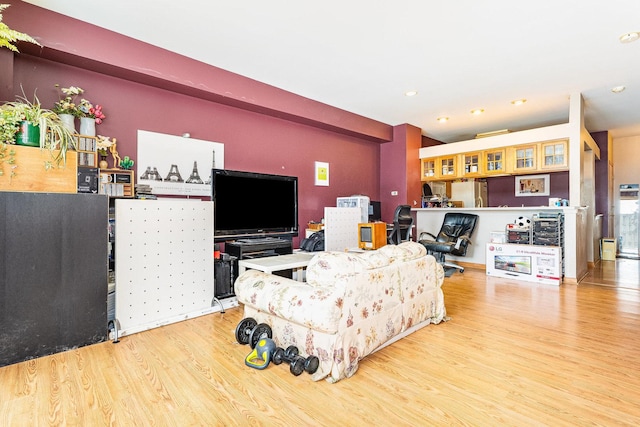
{"x":618,"y":89}
{"x":411,"y":93}
{"x":629,"y":37}
{"x":477,"y":111}
{"x":518,"y":101}
{"x":443,"y":119}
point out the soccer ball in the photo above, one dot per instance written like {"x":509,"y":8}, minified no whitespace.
{"x":523,"y":222}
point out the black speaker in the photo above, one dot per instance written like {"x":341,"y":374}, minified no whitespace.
{"x":224,"y":277}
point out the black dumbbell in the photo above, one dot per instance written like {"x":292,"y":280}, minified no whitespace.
{"x":297,"y":364}
{"x":249,"y":331}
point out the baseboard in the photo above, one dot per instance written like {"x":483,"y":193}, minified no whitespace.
{"x":471,"y":265}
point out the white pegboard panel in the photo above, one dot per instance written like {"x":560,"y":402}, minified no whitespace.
{"x":163,"y":262}
{"x":341,"y":228}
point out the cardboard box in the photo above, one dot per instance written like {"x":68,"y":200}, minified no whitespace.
{"x":608,"y":249}
{"x":532,"y":263}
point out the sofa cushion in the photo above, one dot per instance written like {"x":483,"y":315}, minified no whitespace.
{"x":326,"y":268}
{"x":318,"y":308}
{"x":374,"y":259}
{"x":405,"y":251}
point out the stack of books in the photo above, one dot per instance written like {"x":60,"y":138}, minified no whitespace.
{"x":144,"y":192}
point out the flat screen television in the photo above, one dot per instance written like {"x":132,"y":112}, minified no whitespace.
{"x":252,"y":205}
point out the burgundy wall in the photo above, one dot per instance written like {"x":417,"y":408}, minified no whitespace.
{"x":400,"y":170}
{"x":501,"y":191}
{"x":70,"y":41}
{"x":264,"y":129}
{"x":252,"y":141}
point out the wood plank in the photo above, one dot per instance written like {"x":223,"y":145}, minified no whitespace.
{"x":512,"y":353}
{"x":32,"y":176}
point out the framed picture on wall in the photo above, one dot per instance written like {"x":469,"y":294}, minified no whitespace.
{"x":322,"y":174}
{"x":177,"y":165}
{"x":532,"y":185}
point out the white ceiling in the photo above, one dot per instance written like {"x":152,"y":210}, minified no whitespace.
{"x":362,"y":55}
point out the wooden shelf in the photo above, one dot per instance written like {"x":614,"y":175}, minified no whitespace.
{"x":32,"y":175}
{"x":117,"y":182}
{"x":86,"y":147}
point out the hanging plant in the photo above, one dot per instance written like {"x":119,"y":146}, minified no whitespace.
{"x":7,"y":157}
{"x":9,"y":36}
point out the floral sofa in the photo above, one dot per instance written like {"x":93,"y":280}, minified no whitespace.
{"x":351,"y":304}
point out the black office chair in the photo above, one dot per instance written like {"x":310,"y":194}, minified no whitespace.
{"x":402,"y":223}
{"x":427,"y":194}
{"x":453,"y":239}
{"x":426,"y":190}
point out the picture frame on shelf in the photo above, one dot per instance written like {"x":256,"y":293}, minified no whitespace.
{"x":532,"y":185}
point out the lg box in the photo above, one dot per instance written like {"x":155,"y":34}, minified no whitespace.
{"x":532,"y":263}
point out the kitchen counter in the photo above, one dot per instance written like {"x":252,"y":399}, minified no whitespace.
{"x":492,"y":219}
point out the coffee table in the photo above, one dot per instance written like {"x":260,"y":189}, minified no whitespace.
{"x":296,"y":261}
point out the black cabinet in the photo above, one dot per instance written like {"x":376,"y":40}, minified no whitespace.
{"x":259,"y":248}
{"x":53,"y":273}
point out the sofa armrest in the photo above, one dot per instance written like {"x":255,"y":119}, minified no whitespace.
{"x":316,"y":307}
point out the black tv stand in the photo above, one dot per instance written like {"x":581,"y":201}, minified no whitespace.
{"x":257,"y":248}
{"x":244,"y":248}
{"x":259,"y":240}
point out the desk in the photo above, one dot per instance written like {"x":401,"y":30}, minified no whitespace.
{"x":297,"y":262}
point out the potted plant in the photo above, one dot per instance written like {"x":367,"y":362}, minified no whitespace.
{"x":90,"y":116}
{"x":66,"y":107}
{"x":22,"y":114}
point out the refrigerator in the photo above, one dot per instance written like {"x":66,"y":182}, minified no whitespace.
{"x":471,"y":193}
{"x":626,"y":221}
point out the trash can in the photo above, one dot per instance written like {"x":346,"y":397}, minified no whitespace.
{"x":608,"y":249}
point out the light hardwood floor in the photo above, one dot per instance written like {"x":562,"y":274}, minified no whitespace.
{"x":512,"y":353}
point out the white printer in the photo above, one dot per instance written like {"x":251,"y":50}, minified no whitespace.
{"x":361,"y":202}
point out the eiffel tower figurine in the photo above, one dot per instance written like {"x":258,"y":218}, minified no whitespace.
{"x":151,"y":175}
{"x":156,"y":174}
{"x":174,"y":175}
{"x":195,"y":177}
{"x":213,"y":166}
{"x":146,"y":174}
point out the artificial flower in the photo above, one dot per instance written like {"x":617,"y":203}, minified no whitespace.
{"x":103,"y":144}
{"x":67,"y":104}
{"x":88,"y":110}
